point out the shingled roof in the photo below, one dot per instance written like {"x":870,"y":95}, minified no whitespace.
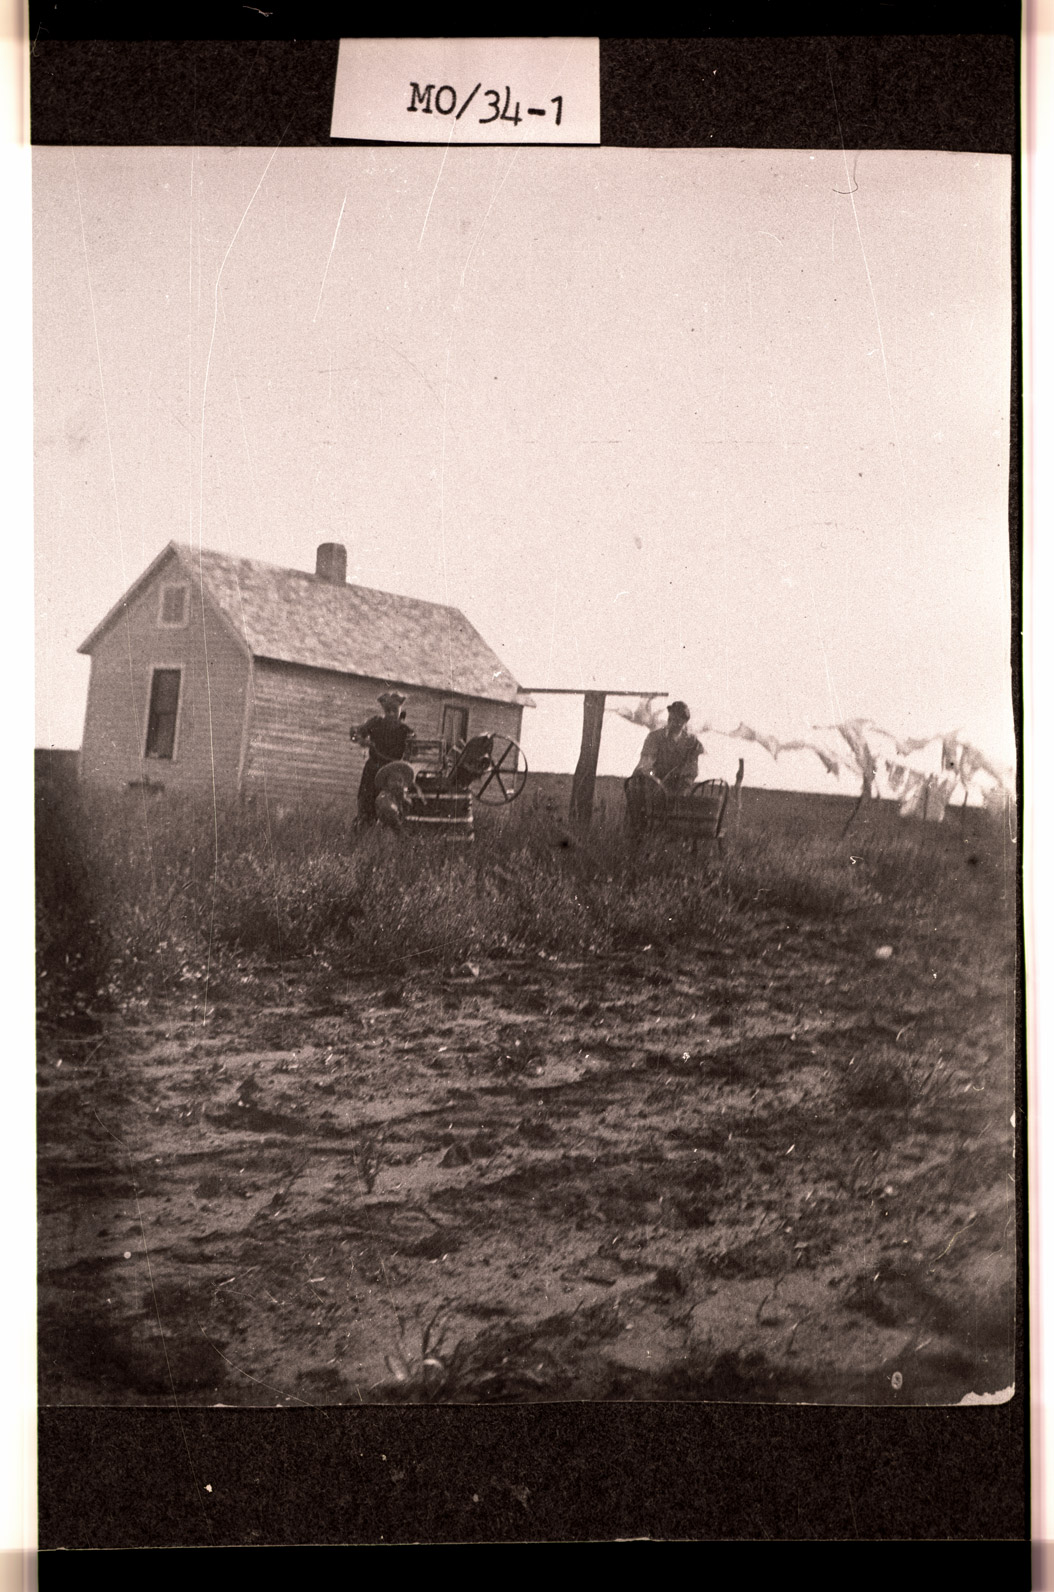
{"x":294,"y":617}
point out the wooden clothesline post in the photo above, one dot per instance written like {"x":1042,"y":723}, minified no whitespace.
{"x":583,"y":785}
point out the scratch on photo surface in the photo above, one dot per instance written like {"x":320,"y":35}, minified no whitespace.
{"x":242,"y":1371}
{"x":190,"y":356}
{"x":215,"y":322}
{"x":252,"y":674}
{"x":874,"y":304}
{"x":853,"y":184}
{"x":486,"y":218}
{"x":444,"y":570}
{"x":398,"y":352}
{"x":435,"y":190}
{"x":201,"y":571}
{"x":329,"y":257}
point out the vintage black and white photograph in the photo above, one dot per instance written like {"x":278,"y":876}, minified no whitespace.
{"x":527,"y":846}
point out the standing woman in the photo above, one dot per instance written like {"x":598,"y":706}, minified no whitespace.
{"x":387,"y":739}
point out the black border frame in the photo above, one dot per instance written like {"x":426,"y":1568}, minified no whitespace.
{"x":134,"y":1478}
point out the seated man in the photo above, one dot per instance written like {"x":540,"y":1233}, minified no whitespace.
{"x":669,"y":766}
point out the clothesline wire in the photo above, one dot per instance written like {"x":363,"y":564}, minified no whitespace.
{"x":958,"y":756}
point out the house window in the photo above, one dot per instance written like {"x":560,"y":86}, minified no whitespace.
{"x":173,"y":614}
{"x":163,"y":713}
{"x":455,"y":725}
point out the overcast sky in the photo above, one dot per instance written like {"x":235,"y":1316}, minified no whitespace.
{"x":728,"y":424}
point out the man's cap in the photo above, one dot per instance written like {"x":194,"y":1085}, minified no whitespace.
{"x":391,"y":699}
{"x":679,"y":710}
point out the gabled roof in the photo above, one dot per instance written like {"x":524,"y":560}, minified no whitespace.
{"x":293,"y":617}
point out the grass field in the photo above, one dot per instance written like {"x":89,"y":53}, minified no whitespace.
{"x":329,"y":1118}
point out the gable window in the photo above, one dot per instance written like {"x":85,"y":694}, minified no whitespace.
{"x":455,"y":725}
{"x":163,"y":713}
{"x":174,"y":605}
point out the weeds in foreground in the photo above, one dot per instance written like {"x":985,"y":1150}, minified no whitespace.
{"x":425,"y":1364}
{"x":889,"y":1080}
{"x":133,"y":897}
{"x":508,"y":1362}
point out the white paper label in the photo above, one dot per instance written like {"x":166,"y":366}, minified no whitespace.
{"x":468,"y":91}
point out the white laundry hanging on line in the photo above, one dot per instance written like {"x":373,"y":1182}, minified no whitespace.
{"x":852,"y":733}
{"x":913,"y":799}
{"x":951,"y":754}
{"x":938,"y":794}
{"x":926,"y":796}
{"x":896,"y":774}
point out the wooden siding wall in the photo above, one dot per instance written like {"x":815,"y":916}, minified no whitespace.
{"x":211,"y":707}
{"x":299,"y":750}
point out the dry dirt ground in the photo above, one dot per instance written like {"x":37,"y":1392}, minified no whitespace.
{"x":782,"y":1175}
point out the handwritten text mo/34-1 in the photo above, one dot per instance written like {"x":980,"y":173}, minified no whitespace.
{"x":443,"y":101}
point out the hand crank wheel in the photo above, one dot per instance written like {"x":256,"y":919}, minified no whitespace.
{"x":504,"y":780}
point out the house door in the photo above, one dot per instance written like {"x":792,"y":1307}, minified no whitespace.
{"x":455,"y":726}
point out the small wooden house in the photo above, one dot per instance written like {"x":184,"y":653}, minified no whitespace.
{"x":228,"y":674}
